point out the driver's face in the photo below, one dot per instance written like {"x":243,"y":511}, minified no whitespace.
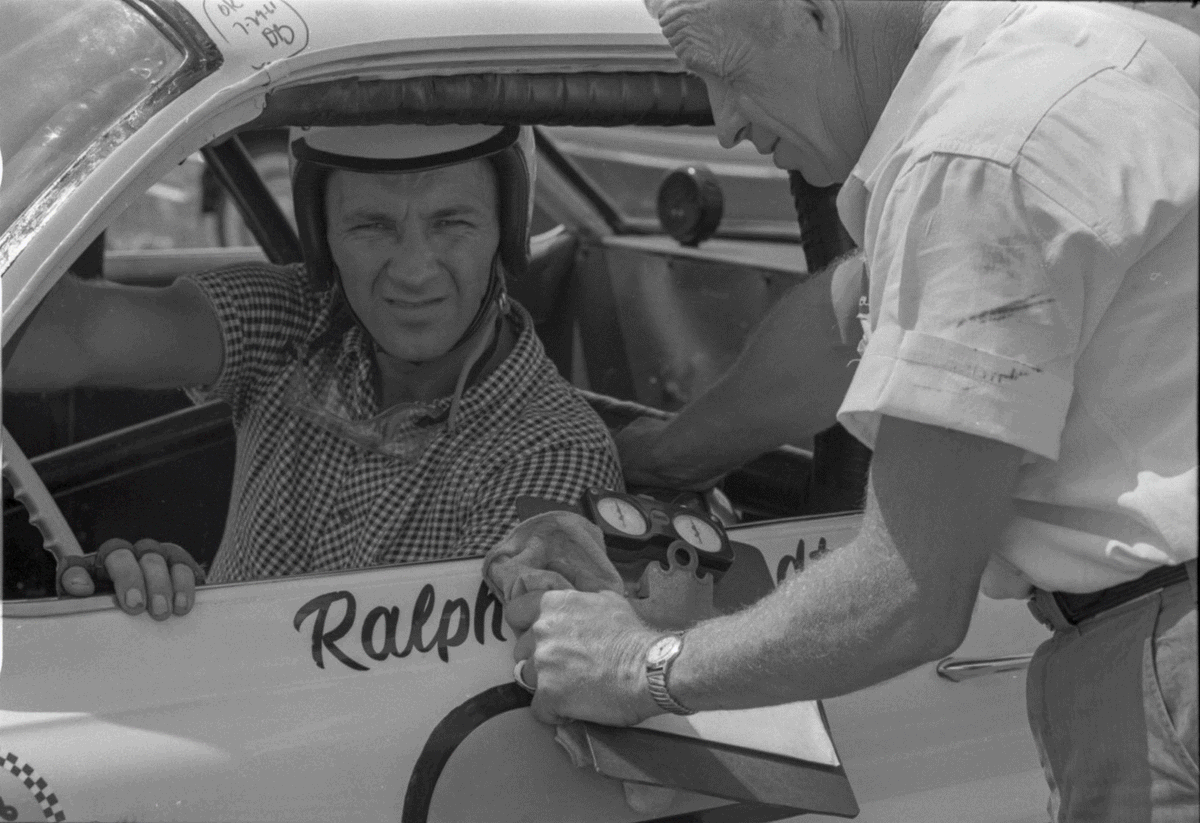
{"x":415,"y":252}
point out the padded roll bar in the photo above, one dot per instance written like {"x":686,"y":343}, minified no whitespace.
{"x":583,"y":99}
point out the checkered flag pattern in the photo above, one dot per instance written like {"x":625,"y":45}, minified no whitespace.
{"x":36,"y":785}
{"x":306,"y":499}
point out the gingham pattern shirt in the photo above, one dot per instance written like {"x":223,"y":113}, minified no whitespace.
{"x":307,"y":500}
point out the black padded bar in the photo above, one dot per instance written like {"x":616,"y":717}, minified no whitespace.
{"x":584,"y":99}
{"x":233,"y":167}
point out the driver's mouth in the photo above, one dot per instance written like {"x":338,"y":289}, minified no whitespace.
{"x":412,"y":304}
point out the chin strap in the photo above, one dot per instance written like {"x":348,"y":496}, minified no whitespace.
{"x":494,"y":304}
{"x":495,"y":295}
{"x":478,"y":357}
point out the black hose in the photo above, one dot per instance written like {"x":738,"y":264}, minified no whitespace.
{"x":840,"y":462}
{"x":822,"y":234}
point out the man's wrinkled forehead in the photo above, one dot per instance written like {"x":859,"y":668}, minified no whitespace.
{"x":472,"y":183}
{"x":716,"y":36}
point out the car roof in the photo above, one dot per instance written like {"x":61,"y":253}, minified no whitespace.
{"x":244,"y":51}
{"x":285,"y":38}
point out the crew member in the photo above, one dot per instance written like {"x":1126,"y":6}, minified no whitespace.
{"x":1022,"y":178}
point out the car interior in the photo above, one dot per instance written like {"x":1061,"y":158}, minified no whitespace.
{"x":138,"y":463}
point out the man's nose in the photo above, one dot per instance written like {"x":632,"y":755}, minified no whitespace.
{"x":732,"y":126}
{"x":411,"y":258}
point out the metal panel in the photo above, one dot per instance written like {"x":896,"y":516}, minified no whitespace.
{"x":678,"y":321}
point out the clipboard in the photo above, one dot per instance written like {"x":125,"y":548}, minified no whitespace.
{"x":776,"y":761}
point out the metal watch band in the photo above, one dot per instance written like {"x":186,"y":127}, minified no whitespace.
{"x":656,"y":680}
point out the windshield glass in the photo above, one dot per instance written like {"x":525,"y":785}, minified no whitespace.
{"x":71,"y":69}
{"x":628,"y":163}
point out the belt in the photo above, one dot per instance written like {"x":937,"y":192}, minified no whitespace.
{"x":1076,"y":608}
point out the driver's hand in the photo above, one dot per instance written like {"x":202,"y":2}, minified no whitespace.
{"x":160,"y":578}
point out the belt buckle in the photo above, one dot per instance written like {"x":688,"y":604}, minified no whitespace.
{"x":1046,"y":609}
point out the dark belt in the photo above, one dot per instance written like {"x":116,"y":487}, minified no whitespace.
{"x":1079,"y":607}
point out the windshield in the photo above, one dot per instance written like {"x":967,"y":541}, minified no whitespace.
{"x":628,"y":163}
{"x":71,"y":69}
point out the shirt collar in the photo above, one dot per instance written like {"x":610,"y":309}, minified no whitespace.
{"x":956,"y":33}
{"x":355,"y":371}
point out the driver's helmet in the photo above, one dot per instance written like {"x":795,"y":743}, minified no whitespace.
{"x":398,"y":149}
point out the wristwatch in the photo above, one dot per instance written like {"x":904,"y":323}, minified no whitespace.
{"x":658,"y":665}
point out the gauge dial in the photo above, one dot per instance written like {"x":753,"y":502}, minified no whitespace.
{"x":697,"y":532}
{"x":622,"y":515}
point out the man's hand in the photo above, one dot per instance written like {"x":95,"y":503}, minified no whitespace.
{"x":636,"y":449}
{"x":586,"y":656}
{"x":147,"y":576}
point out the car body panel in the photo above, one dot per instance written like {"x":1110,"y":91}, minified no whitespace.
{"x":683,"y":315}
{"x":268,"y":702}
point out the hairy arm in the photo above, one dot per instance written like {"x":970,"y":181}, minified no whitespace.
{"x":785,"y":385}
{"x":897,"y":596}
{"x":102,"y":334}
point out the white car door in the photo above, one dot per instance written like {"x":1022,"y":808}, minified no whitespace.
{"x":311,"y":697}
{"x":947,"y":741}
{"x":295,"y":699}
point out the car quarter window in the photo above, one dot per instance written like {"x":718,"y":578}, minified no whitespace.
{"x":628,"y":163}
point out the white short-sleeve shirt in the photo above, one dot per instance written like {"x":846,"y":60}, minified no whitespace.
{"x":1027,"y":206}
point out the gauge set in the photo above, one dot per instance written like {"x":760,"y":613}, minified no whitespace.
{"x":637,"y":527}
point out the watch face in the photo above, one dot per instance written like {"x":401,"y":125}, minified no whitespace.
{"x":697,"y":532}
{"x":662,"y":650}
{"x":622,"y":515}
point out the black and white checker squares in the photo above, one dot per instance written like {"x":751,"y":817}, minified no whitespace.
{"x":308,"y":500}
{"x":37,"y":786}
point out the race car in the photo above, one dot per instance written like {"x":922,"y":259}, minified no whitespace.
{"x":387,"y":692}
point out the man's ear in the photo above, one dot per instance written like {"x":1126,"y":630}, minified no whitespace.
{"x":655,"y":7}
{"x":825,"y":17}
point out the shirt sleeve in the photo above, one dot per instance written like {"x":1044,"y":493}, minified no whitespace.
{"x":562,"y":472}
{"x":978,"y":283}
{"x":264,"y":312}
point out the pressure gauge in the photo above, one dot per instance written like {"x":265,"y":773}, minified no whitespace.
{"x":697,"y":532}
{"x":622,"y":515}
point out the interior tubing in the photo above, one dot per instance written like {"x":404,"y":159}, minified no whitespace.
{"x":44,"y":514}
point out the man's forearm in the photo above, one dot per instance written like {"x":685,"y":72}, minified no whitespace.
{"x":46,"y":353}
{"x":93,"y":333}
{"x":848,"y":622}
{"x":787,"y":384}
{"x":900,"y":594}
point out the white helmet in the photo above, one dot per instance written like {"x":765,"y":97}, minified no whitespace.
{"x":397,"y":149}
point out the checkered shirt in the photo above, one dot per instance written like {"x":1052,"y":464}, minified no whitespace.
{"x":307,"y":500}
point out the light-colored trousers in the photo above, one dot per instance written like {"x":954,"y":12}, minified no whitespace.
{"x":1113,"y":708}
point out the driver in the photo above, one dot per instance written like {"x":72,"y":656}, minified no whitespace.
{"x":390,"y":400}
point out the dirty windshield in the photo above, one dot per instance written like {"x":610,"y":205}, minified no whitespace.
{"x":71,"y":70}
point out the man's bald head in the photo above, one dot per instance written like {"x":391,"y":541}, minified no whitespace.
{"x":704,"y":32}
{"x":803,"y":79}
